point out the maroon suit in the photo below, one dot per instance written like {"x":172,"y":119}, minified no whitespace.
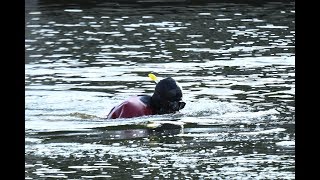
{"x":132,"y":107}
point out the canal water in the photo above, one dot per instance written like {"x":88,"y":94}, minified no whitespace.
{"x":235,"y":62}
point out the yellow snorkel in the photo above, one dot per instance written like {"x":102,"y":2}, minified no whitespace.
{"x":153,"y":77}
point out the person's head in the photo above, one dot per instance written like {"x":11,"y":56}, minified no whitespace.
{"x":167,"y":97}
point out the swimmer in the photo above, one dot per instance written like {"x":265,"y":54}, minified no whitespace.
{"x":166,"y":99}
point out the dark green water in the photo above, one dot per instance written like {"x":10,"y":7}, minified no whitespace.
{"x":235,"y":62}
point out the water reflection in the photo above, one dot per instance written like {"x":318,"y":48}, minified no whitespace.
{"x":235,"y":62}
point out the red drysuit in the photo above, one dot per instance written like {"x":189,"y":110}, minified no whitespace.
{"x":132,"y":107}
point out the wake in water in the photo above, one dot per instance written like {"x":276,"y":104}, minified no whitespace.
{"x":204,"y":120}
{"x":194,"y":112}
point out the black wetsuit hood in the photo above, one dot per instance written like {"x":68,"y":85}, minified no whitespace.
{"x":167,"y":97}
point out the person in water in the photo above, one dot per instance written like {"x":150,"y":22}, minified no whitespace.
{"x":167,"y":98}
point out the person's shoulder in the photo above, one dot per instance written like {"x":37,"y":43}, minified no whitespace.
{"x":146,"y":99}
{"x":131,"y":101}
{"x":137,"y":101}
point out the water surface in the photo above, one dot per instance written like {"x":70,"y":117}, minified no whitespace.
{"x":235,"y":62}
